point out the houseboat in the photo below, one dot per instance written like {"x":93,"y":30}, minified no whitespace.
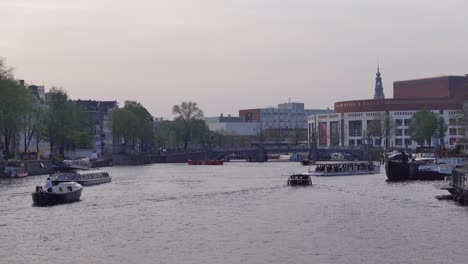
{"x":345,"y":168}
{"x":83,"y":177}
{"x":422,"y":166}
{"x":64,"y":192}
{"x":299,"y":179}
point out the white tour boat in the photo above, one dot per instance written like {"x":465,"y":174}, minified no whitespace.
{"x":345,"y":168}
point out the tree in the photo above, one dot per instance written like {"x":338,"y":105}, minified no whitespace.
{"x":188,"y":113}
{"x":441,"y":130}
{"x":6,"y":73}
{"x":14,"y":104}
{"x":423,"y":126}
{"x":62,"y":120}
{"x":381,"y":127}
{"x":123,"y":123}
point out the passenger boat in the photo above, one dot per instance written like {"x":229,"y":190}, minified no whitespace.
{"x":205,"y":162}
{"x":83,"y":177}
{"x":13,"y":171}
{"x":345,"y":168}
{"x":72,"y":164}
{"x":64,"y":192}
{"x":299,"y":179}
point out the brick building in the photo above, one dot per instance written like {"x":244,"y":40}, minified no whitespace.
{"x":349,"y":124}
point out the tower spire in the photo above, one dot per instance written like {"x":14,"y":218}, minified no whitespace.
{"x":378,"y":85}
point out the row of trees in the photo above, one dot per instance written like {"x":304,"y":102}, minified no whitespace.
{"x":134,"y":125}
{"x":25,"y":116}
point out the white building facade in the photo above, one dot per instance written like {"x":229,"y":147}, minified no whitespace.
{"x":354,"y":128}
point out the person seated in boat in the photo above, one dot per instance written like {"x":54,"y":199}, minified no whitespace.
{"x":48,"y":185}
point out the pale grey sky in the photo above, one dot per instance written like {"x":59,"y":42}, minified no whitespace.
{"x":231,"y":54}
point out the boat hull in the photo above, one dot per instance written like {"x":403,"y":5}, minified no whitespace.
{"x":48,"y":198}
{"x":205,"y":162}
{"x":409,"y":171}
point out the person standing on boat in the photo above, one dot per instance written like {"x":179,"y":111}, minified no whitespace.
{"x":48,"y":185}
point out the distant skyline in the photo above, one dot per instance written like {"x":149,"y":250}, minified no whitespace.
{"x":231,"y":55}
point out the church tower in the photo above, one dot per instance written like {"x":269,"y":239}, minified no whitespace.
{"x":378,"y":86}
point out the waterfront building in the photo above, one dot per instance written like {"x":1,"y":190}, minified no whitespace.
{"x":355,"y":122}
{"x":286,"y":122}
{"x":98,"y":117}
{"x":232,"y":126}
{"x":38,"y":92}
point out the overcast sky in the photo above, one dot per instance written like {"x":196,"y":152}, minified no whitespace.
{"x":231,"y":54}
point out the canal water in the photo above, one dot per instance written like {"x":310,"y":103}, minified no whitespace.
{"x":236,"y":213}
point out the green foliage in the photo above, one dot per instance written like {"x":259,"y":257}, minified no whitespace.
{"x":441,"y":130}
{"x":173,"y":133}
{"x":15,"y":103}
{"x":188,"y":113}
{"x":134,"y":124}
{"x":423,"y":126}
{"x":62,"y":120}
{"x":83,"y":139}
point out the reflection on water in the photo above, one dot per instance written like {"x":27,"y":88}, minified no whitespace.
{"x":236,"y":213}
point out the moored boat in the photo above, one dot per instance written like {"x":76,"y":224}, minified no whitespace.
{"x":423,"y":167}
{"x":345,"y":168}
{"x":72,"y":164}
{"x":13,"y":171}
{"x":299,"y":179}
{"x":83,"y":177}
{"x":65,"y":192}
{"x":459,"y":185}
{"x":205,"y":162}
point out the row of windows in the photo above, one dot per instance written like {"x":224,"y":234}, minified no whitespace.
{"x":283,"y":113}
{"x":404,"y":113}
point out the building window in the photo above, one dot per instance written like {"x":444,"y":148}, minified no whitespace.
{"x":407,"y":142}
{"x":399,"y":132}
{"x":406,"y":132}
{"x":452,"y":131}
{"x":352,"y":142}
{"x":461,"y":131}
{"x":452,"y":121}
{"x":358,"y":142}
{"x":399,"y":122}
{"x":399,"y":142}
{"x":377,"y":142}
{"x":452,"y":141}
{"x":355,"y":128}
{"x":407,"y":122}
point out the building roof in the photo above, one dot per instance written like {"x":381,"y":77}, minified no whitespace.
{"x":96,"y":106}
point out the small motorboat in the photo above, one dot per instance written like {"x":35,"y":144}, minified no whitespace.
{"x":64,"y":192}
{"x":299,"y":179}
